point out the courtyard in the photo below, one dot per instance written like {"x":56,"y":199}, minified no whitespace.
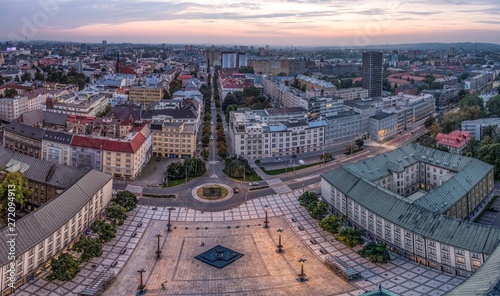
{"x":260,"y":271}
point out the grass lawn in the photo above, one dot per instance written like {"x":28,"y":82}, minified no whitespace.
{"x":173,"y":183}
{"x":282,"y":171}
{"x":252,"y":178}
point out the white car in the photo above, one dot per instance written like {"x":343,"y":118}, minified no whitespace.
{"x":253,"y":183}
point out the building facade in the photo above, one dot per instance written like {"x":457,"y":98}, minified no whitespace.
{"x":173,"y":139}
{"x":84,"y":202}
{"x":475,"y":127}
{"x":252,"y":137}
{"x":372,"y":73}
{"x":12,"y":108}
{"x":145,"y":95}
{"x":416,"y":200}
{"x":24,"y":139}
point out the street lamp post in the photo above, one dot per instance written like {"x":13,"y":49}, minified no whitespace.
{"x":158,"y":252}
{"x":141,"y":271}
{"x":266,"y":222}
{"x":280,"y":246}
{"x":168,"y":225}
{"x":302,"y":275}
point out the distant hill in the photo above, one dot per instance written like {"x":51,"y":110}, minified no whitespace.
{"x":435,"y":46}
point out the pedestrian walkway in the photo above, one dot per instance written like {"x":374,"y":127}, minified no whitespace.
{"x":399,"y":276}
{"x":114,"y":256}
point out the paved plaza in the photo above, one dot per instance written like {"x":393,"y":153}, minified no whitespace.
{"x":261,"y":271}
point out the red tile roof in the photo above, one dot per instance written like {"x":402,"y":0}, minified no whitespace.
{"x":87,"y":142}
{"x":456,"y":139}
{"x":111,"y":144}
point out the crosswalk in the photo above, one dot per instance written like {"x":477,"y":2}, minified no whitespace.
{"x":213,"y":162}
{"x":114,"y":192}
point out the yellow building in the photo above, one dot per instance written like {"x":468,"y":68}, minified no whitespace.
{"x":145,"y":95}
{"x":173,"y":139}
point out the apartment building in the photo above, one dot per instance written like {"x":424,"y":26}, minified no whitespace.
{"x":420,"y":202}
{"x":313,"y":83}
{"x":173,"y":139}
{"x":52,"y":235}
{"x":475,"y":127}
{"x":12,"y":108}
{"x":121,"y":158}
{"x":36,"y":98}
{"x":145,"y":95}
{"x":24,"y":139}
{"x":320,"y":107}
{"x":56,"y":147}
{"x":45,"y":179}
{"x":275,"y":67}
{"x":348,"y":94}
{"x":252,"y":137}
{"x":82,"y":105}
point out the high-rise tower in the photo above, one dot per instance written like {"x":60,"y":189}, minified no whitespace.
{"x":372,"y":73}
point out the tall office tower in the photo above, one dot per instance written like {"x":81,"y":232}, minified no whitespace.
{"x":372,"y":73}
{"x":394,"y":58}
{"x":104,"y":43}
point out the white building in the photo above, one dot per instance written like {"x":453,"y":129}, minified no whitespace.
{"x":414,"y":200}
{"x":253,"y":137}
{"x":47,"y":235}
{"x":12,"y":108}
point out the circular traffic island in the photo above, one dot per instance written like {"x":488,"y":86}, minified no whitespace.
{"x":212,"y":193}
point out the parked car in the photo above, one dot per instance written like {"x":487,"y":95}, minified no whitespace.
{"x":236,"y":190}
{"x":158,"y":158}
{"x":253,"y":183}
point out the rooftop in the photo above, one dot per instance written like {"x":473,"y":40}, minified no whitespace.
{"x":424,"y":216}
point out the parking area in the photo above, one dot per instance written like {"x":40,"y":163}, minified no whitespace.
{"x":492,"y":216}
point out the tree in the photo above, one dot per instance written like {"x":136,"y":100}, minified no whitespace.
{"x":1,"y":80}
{"x":435,"y":129}
{"x":174,"y":86}
{"x":493,"y":106}
{"x":489,"y":152}
{"x":126,"y":199}
{"x":359,"y":143}
{"x":64,"y":268}
{"x":40,"y":76}
{"x":116,"y":214}
{"x":106,"y":231}
{"x":308,"y":198}
{"x":349,"y":149}
{"x":10,"y":92}
{"x":26,"y":77}
{"x":331,"y":224}
{"x":472,"y":100}
{"x":375,"y":252}
{"x":319,"y":211}
{"x":325,"y":156}
{"x":89,"y":247}
{"x":471,"y":148}
{"x":350,"y":236}
{"x":14,"y":183}
{"x":429,"y":121}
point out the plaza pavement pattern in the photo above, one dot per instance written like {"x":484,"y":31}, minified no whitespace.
{"x":261,"y":271}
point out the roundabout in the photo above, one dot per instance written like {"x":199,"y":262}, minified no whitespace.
{"x":212,"y":193}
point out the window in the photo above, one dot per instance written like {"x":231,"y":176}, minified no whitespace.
{"x":460,"y":260}
{"x":432,"y":243}
{"x":460,"y":252}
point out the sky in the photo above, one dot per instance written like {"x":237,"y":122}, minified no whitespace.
{"x":355,"y":23}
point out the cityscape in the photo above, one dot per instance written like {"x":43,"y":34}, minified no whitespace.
{"x":233,"y":148}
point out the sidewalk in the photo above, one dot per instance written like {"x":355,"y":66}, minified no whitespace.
{"x":116,"y":252}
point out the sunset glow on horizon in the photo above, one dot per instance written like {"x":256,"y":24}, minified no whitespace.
{"x":293,"y":22}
